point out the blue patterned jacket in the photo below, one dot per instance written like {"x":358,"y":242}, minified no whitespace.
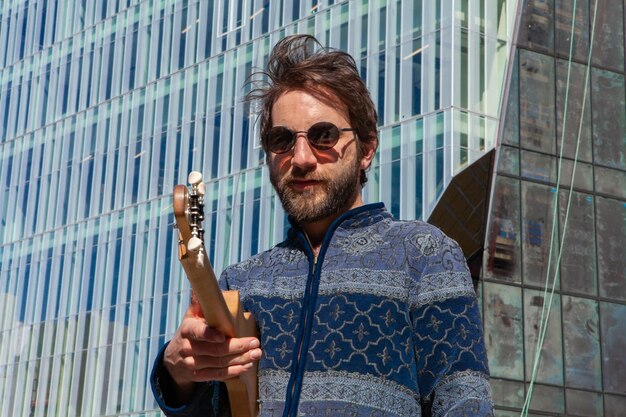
{"x":383,"y":323}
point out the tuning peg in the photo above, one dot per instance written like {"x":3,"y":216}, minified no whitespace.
{"x":194,"y":244}
{"x":201,"y":190}
{"x":194,"y":178}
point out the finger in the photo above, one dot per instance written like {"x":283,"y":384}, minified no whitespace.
{"x":198,"y":362}
{"x":194,"y":309}
{"x":233,"y":346}
{"x":196,"y":329}
{"x":219,"y":374}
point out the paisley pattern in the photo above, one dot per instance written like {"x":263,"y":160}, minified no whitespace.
{"x":426,"y":243}
{"x":360,"y":243}
{"x":387,"y":326}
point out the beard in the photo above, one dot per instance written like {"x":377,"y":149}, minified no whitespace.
{"x":330,"y":197}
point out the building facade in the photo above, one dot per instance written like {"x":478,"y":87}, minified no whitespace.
{"x":557,"y":224}
{"x":106,"y":105}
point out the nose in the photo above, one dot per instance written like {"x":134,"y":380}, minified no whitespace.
{"x":303,"y":156}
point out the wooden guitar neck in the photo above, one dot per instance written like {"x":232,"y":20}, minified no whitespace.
{"x":222,"y":310}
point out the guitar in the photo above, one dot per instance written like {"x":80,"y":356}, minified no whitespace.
{"x":222,"y":309}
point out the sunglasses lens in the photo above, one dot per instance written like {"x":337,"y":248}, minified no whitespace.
{"x":323,"y":135}
{"x":279,"y":139}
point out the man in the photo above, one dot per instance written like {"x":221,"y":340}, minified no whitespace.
{"x":359,"y":314}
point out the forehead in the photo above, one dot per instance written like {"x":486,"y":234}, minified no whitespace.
{"x":302,"y":107}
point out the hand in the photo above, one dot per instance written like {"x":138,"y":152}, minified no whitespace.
{"x":200,"y":353}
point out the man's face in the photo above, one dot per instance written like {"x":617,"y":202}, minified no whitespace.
{"x":315,"y":184}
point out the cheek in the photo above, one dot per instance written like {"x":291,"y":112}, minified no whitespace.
{"x":278,"y":164}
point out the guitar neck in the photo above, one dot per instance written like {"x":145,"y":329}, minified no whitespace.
{"x":222,"y":311}
{"x":204,"y":284}
{"x":227,"y":316}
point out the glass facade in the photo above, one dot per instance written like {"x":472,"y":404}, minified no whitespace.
{"x":559,"y":188}
{"x":106,"y":105}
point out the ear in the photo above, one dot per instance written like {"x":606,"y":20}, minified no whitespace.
{"x":368,"y":152}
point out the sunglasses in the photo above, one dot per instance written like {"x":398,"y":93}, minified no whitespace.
{"x":322,"y":136}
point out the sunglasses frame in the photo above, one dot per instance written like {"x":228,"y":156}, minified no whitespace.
{"x":294,"y":137}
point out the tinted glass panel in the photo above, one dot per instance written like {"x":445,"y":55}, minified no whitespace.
{"x":582,"y":345}
{"x":611,"y":224}
{"x":608,"y":48}
{"x":502,"y":258}
{"x":504,"y":339}
{"x":610,"y":181}
{"x":614,"y":405}
{"x":537,"y":218}
{"x":609,"y":118}
{"x":507,"y":393}
{"x":583,"y":178}
{"x":536,"y":28}
{"x":511,"y":120}
{"x":546,"y":398}
{"x":578,"y":261}
{"x":564,"y":12}
{"x":613,"y":341}
{"x":538,"y":166}
{"x":573,"y":110}
{"x":508,"y":160}
{"x":583,"y":403}
{"x":537,"y":102}
{"x":551,"y":363}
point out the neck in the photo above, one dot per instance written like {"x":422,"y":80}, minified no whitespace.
{"x":315,"y":231}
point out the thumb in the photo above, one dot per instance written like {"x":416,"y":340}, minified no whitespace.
{"x":194,"y":309}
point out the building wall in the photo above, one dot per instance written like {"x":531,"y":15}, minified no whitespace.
{"x":551,"y":131}
{"x":106,"y":105}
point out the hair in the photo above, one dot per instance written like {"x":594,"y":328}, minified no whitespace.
{"x":300,"y":62}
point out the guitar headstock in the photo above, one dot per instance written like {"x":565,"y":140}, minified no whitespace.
{"x":189,"y":213}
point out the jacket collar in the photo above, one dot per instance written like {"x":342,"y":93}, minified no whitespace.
{"x":356,"y":218}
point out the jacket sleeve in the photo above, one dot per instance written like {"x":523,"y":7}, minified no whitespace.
{"x":210,"y":399}
{"x":448,"y":339}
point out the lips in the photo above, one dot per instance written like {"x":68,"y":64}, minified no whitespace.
{"x":304,"y":184}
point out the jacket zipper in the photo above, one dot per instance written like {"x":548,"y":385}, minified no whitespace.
{"x":293,"y":380}
{"x":305,"y":308}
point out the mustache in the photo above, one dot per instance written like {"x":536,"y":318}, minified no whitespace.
{"x":301,"y":174}
{"x":290,"y":180}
